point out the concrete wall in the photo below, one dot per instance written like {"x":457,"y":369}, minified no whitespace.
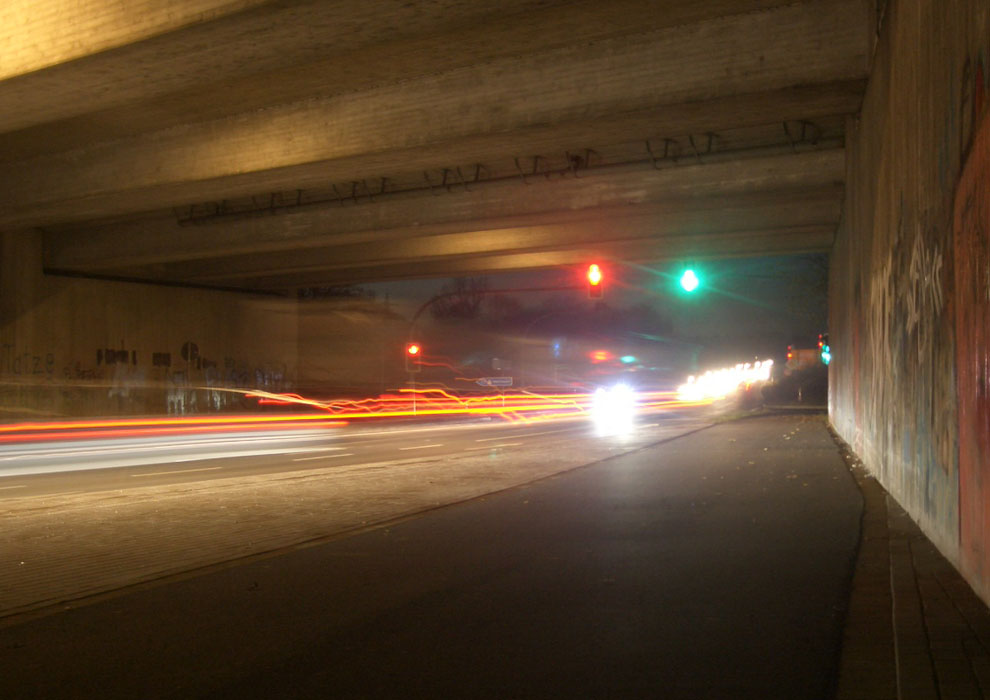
{"x":909,"y":301}
{"x":83,"y":347}
{"x":350,"y":346}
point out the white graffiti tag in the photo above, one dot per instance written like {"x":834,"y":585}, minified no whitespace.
{"x":881,"y":315}
{"x":923,"y":298}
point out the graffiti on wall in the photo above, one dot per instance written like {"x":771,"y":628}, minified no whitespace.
{"x":923,"y":297}
{"x":971,"y":232}
{"x":23,"y":363}
{"x":109,"y":356}
{"x":198,"y":383}
{"x":908,"y":408}
{"x":131,"y":379}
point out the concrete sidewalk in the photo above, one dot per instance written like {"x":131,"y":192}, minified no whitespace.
{"x":915,"y":630}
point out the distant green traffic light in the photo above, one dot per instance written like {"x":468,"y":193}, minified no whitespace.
{"x":627,"y":359}
{"x":689,"y":281}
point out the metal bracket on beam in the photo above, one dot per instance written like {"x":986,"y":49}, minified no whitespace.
{"x":536,"y":169}
{"x":577,"y":162}
{"x":184,"y":215}
{"x":367,"y":190}
{"x":669,"y":146}
{"x":448,"y":182}
{"x":810,"y":133}
{"x":711,"y":136}
{"x":450,"y":185}
{"x":460,"y":176}
{"x":478,"y":169}
{"x":429,"y":182}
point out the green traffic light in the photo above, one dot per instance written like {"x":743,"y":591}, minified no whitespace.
{"x":689,"y":281}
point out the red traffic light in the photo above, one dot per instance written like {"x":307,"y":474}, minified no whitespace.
{"x":594,"y":275}
{"x":595,"y":278}
{"x":413,"y":352}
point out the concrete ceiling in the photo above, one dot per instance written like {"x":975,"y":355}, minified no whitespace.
{"x":270,"y":145}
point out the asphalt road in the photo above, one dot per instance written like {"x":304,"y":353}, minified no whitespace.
{"x":714,"y":565}
{"x":100,"y":465}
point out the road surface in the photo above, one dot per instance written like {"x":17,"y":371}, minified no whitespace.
{"x":99,"y":465}
{"x":713,"y":565}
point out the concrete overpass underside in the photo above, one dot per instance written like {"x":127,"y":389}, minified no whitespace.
{"x":217,"y":147}
{"x":267,"y":145}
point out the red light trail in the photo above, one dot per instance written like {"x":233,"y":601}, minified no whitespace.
{"x":514,"y":406}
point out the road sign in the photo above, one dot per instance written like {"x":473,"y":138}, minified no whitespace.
{"x":495,"y":381}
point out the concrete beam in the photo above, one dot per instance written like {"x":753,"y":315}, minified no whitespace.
{"x":360,"y":44}
{"x":651,"y":223}
{"x":492,"y":205}
{"x":65,"y":58}
{"x":39,"y":34}
{"x":503,"y":106}
{"x":726,"y":245}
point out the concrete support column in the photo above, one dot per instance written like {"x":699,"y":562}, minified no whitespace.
{"x":27,"y":362}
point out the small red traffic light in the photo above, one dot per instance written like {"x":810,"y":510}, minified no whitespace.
{"x":413,"y":352}
{"x":597,"y":356}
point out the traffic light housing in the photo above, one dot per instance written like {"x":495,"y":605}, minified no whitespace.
{"x":413,"y":353}
{"x":595,"y":282}
{"x":824,"y":349}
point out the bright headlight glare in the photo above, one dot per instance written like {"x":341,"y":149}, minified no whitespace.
{"x":613,"y":410}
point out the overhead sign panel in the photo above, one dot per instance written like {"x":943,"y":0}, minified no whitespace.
{"x":495,"y":381}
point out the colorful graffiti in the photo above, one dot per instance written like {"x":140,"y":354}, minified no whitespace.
{"x":972,"y":276}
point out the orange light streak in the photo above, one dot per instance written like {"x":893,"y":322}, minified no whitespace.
{"x":516,"y":406}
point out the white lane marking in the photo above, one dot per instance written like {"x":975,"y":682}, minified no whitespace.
{"x":650,"y":425}
{"x":306,"y":459}
{"x":179,"y":471}
{"x":492,"y":447}
{"x":138,"y":461}
{"x":148,"y":444}
{"x":19,"y":486}
{"x":526,"y":435}
{"x":421,"y":447}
